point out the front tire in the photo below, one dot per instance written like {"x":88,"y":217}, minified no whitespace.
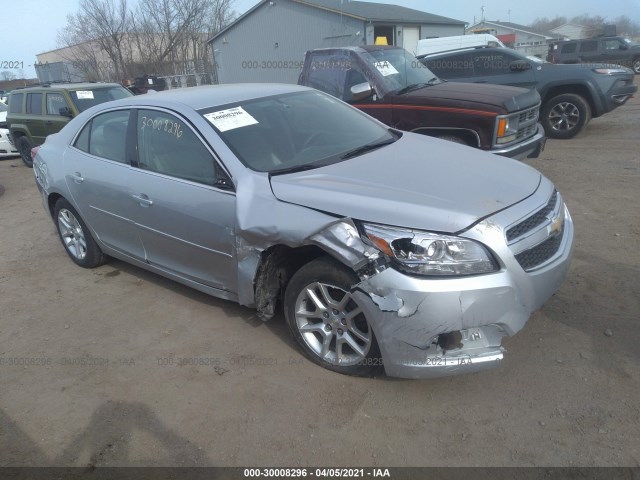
{"x":566,"y":115}
{"x":24,"y":147}
{"x":636,"y":65}
{"x":76,"y":237}
{"x":327,"y":322}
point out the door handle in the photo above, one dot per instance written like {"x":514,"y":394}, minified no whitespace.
{"x":77,"y":177}
{"x":480,"y":81}
{"x":48,"y":122}
{"x":143,"y":200}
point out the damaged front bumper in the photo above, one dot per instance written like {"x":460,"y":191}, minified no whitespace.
{"x":429,"y":327}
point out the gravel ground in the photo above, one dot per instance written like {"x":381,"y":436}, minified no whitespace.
{"x":127,"y":368}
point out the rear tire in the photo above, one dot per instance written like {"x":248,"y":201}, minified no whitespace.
{"x":636,"y":65}
{"x":76,"y":237}
{"x":327,"y":322}
{"x":24,"y":147}
{"x":564,"y":116}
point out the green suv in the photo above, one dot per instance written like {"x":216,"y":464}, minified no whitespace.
{"x":35,"y":112}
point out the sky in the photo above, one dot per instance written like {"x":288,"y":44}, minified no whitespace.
{"x":20,"y":41}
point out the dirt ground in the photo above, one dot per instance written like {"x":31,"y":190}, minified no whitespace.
{"x":117,"y":366}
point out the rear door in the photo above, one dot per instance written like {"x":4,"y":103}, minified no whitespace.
{"x":588,"y":51}
{"x":495,"y":66}
{"x":98,"y":177}
{"x":184,"y":207}
{"x":35,"y":118}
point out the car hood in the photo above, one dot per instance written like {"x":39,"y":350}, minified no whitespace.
{"x":577,"y":70}
{"x":498,"y":98}
{"x":417,"y":182}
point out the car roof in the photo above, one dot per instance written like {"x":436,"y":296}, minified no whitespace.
{"x":67,"y":86}
{"x":210,"y":95}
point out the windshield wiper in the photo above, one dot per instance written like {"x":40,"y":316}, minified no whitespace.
{"x":367,"y":148}
{"x":416,"y":86}
{"x":297,"y":168}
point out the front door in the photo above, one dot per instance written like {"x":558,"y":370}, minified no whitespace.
{"x":185,"y":221}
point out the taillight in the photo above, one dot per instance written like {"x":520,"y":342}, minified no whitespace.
{"x":34,"y":151}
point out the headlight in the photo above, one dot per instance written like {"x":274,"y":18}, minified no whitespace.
{"x":425,"y":253}
{"x":611,"y":71}
{"x":507,"y":130}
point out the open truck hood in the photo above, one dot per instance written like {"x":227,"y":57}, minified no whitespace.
{"x":417,"y":182}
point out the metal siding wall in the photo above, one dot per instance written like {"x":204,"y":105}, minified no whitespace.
{"x":432,"y":31}
{"x":250,"y":53}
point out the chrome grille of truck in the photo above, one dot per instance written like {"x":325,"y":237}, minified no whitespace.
{"x":537,"y":238}
{"x":531,"y":114}
{"x":528,"y":123}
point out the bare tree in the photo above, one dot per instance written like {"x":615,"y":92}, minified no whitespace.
{"x":97,"y":37}
{"x":594,"y":23}
{"x":109,"y":41}
{"x":7,"y":75}
{"x":544,"y":24}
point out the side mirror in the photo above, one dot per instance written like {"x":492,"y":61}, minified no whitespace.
{"x":361,"y":91}
{"x":624,"y":47}
{"x":519,"y":66}
{"x":65,"y":112}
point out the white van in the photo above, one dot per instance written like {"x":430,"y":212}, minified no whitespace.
{"x":428,"y":46}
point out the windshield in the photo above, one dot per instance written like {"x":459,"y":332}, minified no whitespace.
{"x":85,"y":99}
{"x":295,"y":131}
{"x":400,"y":69}
{"x":629,"y":42}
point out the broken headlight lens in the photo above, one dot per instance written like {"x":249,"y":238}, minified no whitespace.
{"x":425,"y":253}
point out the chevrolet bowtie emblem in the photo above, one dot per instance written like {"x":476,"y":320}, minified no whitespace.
{"x":556,"y":225}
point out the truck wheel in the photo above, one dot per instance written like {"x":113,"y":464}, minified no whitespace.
{"x":564,"y":116}
{"x":636,"y":65}
{"x":24,"y":147}
{"x":327,"y":322}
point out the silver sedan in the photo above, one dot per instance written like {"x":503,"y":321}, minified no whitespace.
{"x":384,"y":249}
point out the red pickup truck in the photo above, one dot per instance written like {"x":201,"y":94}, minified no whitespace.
{"x":393,"y":86}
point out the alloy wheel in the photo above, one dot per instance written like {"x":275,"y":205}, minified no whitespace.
{"x":332,"y":324}
{"x":72,"y":234}
{"x":564,"y":116}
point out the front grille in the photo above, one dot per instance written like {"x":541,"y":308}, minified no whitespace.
{"x":530,"y":114}
{"x":534,"y":220}
{"x":527,"y":132}
{"x":540,"y":253}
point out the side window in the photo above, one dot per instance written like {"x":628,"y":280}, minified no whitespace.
{"x":82,"y":142}
{"x":15,"y":102}
{"x":109,"y":135}
{"x":328,"y":73}
{"x":452,"y":66}
{"x":34,"y":103}
{"x":492,"y":63}
{"x":55,"y":101}
{"x":166,"y":145}
{"x":589,"y":46}
{"x":569,"y":48}
{"x":611,"y":45}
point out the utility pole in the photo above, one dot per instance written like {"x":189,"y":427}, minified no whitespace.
{"x":482,"y":16}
